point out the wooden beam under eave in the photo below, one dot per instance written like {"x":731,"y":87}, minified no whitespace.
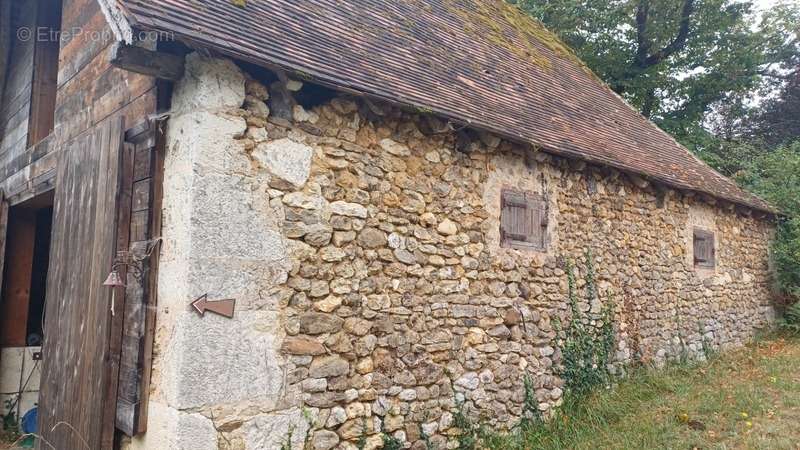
{"x":161,"y":65}
{"x":638,"y":181}
{"x":744,"y":210}
{"x":708,"y":199}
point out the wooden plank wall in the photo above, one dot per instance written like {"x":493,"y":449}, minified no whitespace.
{"x":16,"y":104}
{"x":93,"y":101}
{"x":90,"y":91}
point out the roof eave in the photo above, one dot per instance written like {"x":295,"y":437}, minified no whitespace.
{"x":118,"y":20}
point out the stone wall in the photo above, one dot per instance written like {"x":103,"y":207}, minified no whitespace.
{"x":362,"y":245}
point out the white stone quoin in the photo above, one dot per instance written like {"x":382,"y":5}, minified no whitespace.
{"x":219,"y":238}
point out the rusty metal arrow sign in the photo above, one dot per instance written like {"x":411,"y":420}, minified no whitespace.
{"x":222,"y":307}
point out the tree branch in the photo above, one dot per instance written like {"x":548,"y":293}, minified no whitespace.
{"x":643,"y":57}
{"x":643,"y":43}
{"x":774,"y":74}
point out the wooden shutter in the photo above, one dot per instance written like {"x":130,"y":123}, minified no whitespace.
{"x":523,"y":220}
{"x":703,"y":244}
{"x":514,"y":223}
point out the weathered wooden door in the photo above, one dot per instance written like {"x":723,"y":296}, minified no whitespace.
{"x":78,"y":386}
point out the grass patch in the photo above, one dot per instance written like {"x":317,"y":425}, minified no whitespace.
{"x":743,"y":399}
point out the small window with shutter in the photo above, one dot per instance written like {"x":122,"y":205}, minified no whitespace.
{"x":523,"y":220}
{"x":704,"y":255}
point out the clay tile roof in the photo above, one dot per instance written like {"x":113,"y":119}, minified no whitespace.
{"x":478,"y":61}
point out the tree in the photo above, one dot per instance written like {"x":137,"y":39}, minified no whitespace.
{"x":676,"y":60}
{"x":777,"y":120}
{"x":775,"y":176}
{"x":741,"y":134}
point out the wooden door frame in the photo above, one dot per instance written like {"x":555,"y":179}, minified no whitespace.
{"x":135,"y":332}
{"x":3,"y":232}
{"x":116,"y":321}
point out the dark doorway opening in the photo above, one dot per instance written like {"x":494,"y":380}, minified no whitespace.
{"x":25,"y":272}
{"x":22,"y":304}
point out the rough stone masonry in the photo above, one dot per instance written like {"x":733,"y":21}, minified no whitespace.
{"x":372,"y":290}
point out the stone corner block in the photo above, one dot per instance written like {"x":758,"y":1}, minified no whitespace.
{"x":209,"y":83}
{"x":215,"y":361}
{"x":171,"y":429}
{"x":289,"y":162}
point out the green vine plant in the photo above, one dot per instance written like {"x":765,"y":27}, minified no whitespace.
{"x":474,"y":435}
{"x":361,"y":444}
{"x":707,"y":345}
{"x":470,"y":433}
{"x":310,"y":425}
{"x":587,"y":345}
{"x":531,"y":415}
{"x":390,"y":442}
{"x":683,"y":356}
{"x":425,"y":438}
{"x":286,"y":444}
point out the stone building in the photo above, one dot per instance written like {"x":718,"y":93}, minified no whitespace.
{"x":389,"y":192}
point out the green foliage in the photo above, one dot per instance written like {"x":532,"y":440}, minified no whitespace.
{"x":531,"y":416}
{"x":361,"y":444}
{"x":676,"y":67}
{"x":777,"y":120}
{"x":730,"y":158}
{"x":425,"y":438}
{"x":640,"y":411}
{"x":586,"y":349}
{"x":10,"y":425}
{"x":477,"y":435}
{"x":786,"y":257}
{"x":286,"y":444}
{"x":470,"y":433}
{"x":791,"y":319}
{"x":309,"y":419}
{"x":10,"y":431}
{"x":708,"y":349}
{"x":390,"y":442}
{"x":775,"y":176}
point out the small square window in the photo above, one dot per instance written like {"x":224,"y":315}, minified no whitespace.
{"x":523,"y":220}
{"x":703,"y":247}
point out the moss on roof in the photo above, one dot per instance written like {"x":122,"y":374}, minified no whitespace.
{"x":510,"y":28}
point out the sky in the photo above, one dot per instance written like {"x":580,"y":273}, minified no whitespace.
{"x":765,"y":4}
